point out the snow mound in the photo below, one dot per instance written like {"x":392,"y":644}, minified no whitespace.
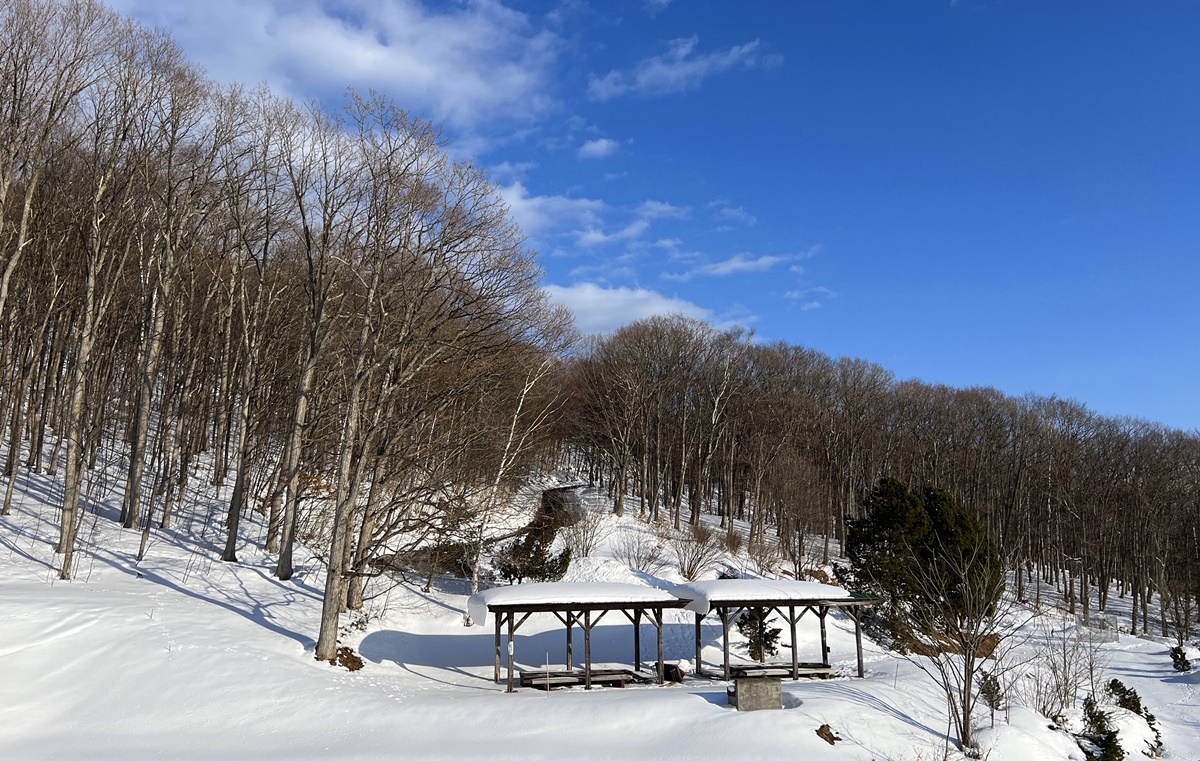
{"x":603,"y":569}
{"x":1028,"y":736}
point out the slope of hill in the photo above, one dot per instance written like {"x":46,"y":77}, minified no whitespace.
{"x":185,"y":657}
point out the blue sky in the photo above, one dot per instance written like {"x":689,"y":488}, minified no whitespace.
{"x":970,"y":192}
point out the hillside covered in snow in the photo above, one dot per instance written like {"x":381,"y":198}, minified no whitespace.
{"x":183,"y":656}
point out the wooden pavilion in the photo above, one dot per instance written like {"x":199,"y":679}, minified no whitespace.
{"x":574,"y":604}
{"x":728,"y":598}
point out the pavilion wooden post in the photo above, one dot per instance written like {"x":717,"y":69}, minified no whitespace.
{"x":637,"y":638}
{"x":587,"y":650}
{"x":699,"y":668}
{"x":658,"y":622}
{"x":821,"y":612}
{"x":858,"y":641}
{"x":795,"y":650}
{"x":570,"y":655}
{"x":511,"y":633}
{"x":725,"y":638}
{"x":498,"y":617}
{"x":762,"y":633}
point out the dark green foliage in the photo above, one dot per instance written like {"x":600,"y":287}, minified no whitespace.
{"x":1180,"y":660}
{"x":529,"y":558}
{"x":1128,"y":698}
{"x":880,"y":543}
{"x":991,"y":692}
{"x":763,"y":639}
{"x":925,"y":553}
{"x":1101,"y":733}
{"x":1125,"y":697}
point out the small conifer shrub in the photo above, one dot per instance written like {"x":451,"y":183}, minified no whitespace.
{"x":763,"y":639}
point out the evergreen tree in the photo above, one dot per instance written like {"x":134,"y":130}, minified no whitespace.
{"x":763,"y":640}
{"x":530,"y":558}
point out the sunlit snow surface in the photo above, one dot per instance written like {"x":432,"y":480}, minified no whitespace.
{"x":186,"y":657}
{"x":564,"y":593}
{"x":704,"y":594}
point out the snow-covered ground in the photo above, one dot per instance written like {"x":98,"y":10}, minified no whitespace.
{"x":186,"y":657}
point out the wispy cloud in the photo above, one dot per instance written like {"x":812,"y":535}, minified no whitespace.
{"x":596,"y":237}
{"x":679,"y":69}
{"x":655,"y":7}
{"x":729,"y":216}
{"x":600,"y":148}
{"x":735,"y":265}
{"x":602,"y":310}
{"x":662,"y":210}
{"x":812,"y":298}
{"x":642,"y":218}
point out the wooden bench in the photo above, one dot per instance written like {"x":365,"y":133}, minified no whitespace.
{"x":614,"y":677}
{"x":781,"y":670}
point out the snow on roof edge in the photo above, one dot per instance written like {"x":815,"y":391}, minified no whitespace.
{"x":564,"y":593}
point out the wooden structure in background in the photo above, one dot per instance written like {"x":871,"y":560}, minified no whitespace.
{"x":580,"y":605}
{"x":728,"y":598}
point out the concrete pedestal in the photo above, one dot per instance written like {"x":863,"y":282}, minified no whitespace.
{"x":757,"y":693}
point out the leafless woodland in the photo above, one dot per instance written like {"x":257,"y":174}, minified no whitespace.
{"x":347,"y":324}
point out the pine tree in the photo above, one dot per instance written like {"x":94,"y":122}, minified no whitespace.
{"x":763,"y":640}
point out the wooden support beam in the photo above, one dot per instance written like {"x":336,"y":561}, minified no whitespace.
{"x":858,"y":641}
{"x":724,"y":612}
{"x":762,"y":633}
{"x":637,"y":638}
{"x":699,"y":667}
{"x":658,"y":622}
{"x":587,"y":650}
{"x":570,"y":655}
{"x":498,"y":617}
{"x":795,"y":650}
{"x":821,"y":613}
{"x":511,"y":632}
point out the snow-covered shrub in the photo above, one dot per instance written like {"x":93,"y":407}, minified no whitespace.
{"x":1128,"y":699}
{"x":637,"y":550}
{"x":733,"y":542}
{"x":585,"y":534}
{"x":697,"y":551}
{"x":766,"y":555}
{"x":1064,"y":665}
{"x":1099,"y":734}
{"x":1179,"y":659}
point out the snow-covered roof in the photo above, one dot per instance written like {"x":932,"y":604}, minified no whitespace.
{"x":565,"y":594}
{"x":704,"y":595}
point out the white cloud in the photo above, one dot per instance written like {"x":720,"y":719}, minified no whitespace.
{"x":595,"y":237}
{"x":662,"y":210}
{"x":812,"y":298}
{"x":508,"y":171}
{"x":678,"y":70}
{"x":735,"y":265}
{"x":736,"y":215}
{"x":603,"y":310}
{"x":655,"y":7}
{"x":463,"y":65}
{"x":540,"y":215}
{"x":600,"y":148}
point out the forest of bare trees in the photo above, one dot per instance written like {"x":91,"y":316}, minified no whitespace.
{"x":789,"y":440}
{"x":321,"y":302}
{"x":347,"y":327}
